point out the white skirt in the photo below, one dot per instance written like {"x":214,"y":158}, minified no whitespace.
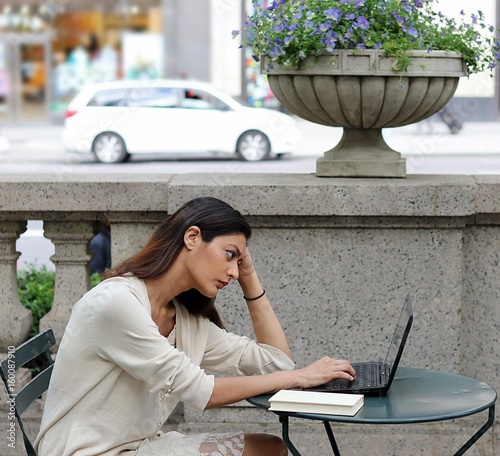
{"x":177,"y":444}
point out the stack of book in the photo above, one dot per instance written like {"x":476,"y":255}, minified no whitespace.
{"x":316,"y":402}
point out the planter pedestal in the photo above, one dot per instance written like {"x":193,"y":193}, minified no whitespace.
{"x":361,"y":153}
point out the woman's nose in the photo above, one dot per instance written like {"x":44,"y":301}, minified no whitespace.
{"x":234,"y":272}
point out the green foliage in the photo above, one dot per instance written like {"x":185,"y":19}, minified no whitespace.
{"x":287,"y":31}
{"x":36,"y":291}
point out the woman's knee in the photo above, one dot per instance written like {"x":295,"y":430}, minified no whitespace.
{"x":264,"y":445}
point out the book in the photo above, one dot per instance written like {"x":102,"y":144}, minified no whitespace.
{"x":316,"y":402}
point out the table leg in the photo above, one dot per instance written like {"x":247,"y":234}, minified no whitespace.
{"x":286,"y":437}
{"x":331,"y":437}
{"x":478,"y":434}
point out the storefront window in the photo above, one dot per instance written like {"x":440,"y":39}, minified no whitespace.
{"x":91,"y":41}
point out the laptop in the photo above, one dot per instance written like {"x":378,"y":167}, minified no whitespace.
{"x":376,"y":377}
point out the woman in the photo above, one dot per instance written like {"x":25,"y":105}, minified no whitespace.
{"x":138,"y":343}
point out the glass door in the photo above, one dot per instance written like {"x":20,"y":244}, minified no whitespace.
{"x":25,"y":72}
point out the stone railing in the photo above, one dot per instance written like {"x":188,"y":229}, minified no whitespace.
{"x":337,"y":257}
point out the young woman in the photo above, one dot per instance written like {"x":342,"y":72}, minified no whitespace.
{"x":140,"y":341}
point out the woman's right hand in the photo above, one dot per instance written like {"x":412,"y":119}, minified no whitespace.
{"x":324,"y":370}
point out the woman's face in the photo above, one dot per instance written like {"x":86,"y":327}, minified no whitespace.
{"x":215,"y":263}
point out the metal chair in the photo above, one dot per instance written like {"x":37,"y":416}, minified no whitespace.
{"x":36,"y":347}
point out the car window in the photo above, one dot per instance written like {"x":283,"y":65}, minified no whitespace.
{"x":198,"y":99}
{"x":112,"y":97}
{"x":153,"y":97}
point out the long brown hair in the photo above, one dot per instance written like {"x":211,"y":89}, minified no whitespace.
{"x":214,"y":218}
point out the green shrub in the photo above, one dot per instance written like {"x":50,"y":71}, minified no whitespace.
{"x":36,"y":291}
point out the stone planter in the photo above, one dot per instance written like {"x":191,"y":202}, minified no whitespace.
{"x":363,"y":94}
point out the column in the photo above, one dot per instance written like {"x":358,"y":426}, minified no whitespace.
{"x":15,"y":319}
{"x":71,"y":259}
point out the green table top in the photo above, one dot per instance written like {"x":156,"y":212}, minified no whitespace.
{"x":416,"y":396}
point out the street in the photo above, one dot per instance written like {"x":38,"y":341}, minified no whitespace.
{"x":429,"y":148}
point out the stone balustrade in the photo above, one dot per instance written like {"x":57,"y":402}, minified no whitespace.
{"x":336,"y":256}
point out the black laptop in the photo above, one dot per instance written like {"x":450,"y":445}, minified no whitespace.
{"x":376,"y":377}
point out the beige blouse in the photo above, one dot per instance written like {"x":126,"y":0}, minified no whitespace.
{"x":116,"y":379}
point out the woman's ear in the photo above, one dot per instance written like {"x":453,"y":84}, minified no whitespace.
{"x":192,"y":236}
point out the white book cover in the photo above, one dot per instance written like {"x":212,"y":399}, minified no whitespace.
{"x":316,"y":402}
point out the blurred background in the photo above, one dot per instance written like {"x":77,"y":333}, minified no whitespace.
{"x":50,"y":49}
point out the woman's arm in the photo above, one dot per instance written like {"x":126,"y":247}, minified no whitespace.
{"x":266,"y":325}
{"x":228,"y":390}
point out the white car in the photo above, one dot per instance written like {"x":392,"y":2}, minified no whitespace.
{"x":117,"y":119}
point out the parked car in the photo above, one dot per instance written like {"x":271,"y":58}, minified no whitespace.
{"x":121,"y":118}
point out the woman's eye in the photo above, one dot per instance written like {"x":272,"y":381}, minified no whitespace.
{"x":230,"y":254}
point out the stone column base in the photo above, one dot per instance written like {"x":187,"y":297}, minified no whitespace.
{"x":361,"y":153}
{"x":326,"y":167}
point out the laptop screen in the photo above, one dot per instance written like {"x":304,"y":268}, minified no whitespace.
{"x":401,"y":332}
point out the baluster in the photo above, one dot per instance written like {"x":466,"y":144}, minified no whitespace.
{"x":15,"y":319}
{"x":71,"y":259}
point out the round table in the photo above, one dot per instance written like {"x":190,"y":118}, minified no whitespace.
{"x":416,"y":396}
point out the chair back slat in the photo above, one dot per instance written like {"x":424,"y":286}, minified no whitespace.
{"x":34,"y":347}
{"x":33,"y":390}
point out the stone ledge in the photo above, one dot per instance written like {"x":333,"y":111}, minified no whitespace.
{"x":255,"y":194}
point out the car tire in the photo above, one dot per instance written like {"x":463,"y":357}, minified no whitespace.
{"x":109,"y":147}
{"x":253,"y":145}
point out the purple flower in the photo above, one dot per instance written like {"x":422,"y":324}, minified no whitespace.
{"x":350,"y":16}
{"x":279,"y":27}
{"x":377,"y":45}
{"x":330,"y":44}
{"x":362,"y":23}
{"x":308,"y":25}
{"x":325,"y":26}
{"x":412,"y":32}
{"x":400,"y":20}
{"x":333,"y":13}
{"x":361,"y":46}
{"x":288,"y":39}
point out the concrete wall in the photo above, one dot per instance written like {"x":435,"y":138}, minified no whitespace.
{"x":337,"y":257}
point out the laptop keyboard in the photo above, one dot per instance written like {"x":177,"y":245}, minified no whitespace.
{"x":367,"y":376}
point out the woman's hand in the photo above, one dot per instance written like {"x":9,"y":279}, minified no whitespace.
{"x":245,"y":265}
{"x":324,"y":370}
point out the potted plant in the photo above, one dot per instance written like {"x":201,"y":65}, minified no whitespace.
{"x":365,"y":65}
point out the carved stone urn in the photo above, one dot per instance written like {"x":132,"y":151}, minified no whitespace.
{"x":364,"y":92}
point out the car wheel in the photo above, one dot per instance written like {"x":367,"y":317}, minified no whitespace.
{"x":253,"y":145}
{"x":110,"y":148}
